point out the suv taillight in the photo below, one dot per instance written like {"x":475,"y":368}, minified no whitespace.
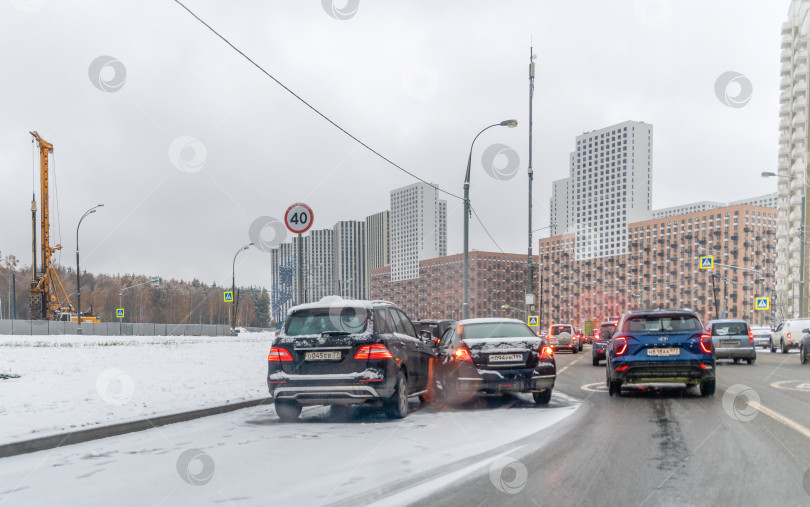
{"x":750,"y":336}
{"x":376,"y":351}
{"x":620,"y":345}
{"x":278,"y":354}
{"x":546,"y":352}
{"x":462,"y":354}
{"x":706,"y":343}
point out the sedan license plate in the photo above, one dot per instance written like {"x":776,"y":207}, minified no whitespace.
{"x":667,"y":351}
{"x":504,"y":358}
{"x":322,"y":356}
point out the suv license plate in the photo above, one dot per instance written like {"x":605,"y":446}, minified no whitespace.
{"x":669,"y":351}
{"x":322,"y":356}
{"x":502,"y":358}
{"x":729,"y":342}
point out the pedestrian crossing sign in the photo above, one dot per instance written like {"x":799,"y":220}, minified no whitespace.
{"x":707,"y":262}
{"x":532,"y":320}
{"x":762,"y":303}
{"x":119,"y":313}
{"x":229,"y":296}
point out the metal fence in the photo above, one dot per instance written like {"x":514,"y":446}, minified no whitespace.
{"x":46,"y":327}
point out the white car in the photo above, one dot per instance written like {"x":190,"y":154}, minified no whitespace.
{"x":762,"y":336}
{"x":788,"y":334}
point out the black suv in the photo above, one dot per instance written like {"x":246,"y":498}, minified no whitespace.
{"x":343,"y":352}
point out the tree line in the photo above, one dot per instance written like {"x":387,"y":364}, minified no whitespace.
{"x":169,"y":302}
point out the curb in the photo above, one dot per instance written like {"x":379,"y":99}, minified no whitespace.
{"x":79,"y":436}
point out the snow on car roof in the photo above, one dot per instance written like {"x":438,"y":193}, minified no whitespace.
{"x":338,"y":302}
{"x":490,"y":319}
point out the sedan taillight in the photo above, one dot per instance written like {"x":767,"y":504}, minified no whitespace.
{"x":620,"y":345}
{"x":376,"y":351}
{"x":750,"y":336}
{"x":278,"y":354}
{"x":546,"y":352}
{"x":462,"y":354}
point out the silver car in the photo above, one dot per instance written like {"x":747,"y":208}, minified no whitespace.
{"x":732,"y":339}
{"x":762,"y":336}
{"x":561,"y":337}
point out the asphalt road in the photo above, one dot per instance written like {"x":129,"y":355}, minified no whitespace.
{"x":747,"y":445}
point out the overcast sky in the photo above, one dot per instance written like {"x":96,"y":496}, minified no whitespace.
{"x":187,"y":144}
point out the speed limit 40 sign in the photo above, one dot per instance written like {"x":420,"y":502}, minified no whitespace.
{"x":298,"y":218}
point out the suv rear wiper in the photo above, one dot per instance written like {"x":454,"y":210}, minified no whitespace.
{"x":335,"y":333}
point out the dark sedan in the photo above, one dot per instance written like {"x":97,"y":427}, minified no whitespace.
{"x":493,"y":356}
{"x":601,"y":339}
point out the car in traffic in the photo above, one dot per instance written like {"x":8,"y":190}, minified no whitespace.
{"x":434,"y":328}
{"x":579,"y":338}
{"x":732,"y":339}
{"x":492,"y":356}
{"x":588,"y":338}
{"x":601,"y":341}
{"x":788,"y":334}
{"x":342,"y":352}
{"x":561,"y":337}
{"x":660,"y":346}
{"x":762,"y":336}
{"x":804,"y":347}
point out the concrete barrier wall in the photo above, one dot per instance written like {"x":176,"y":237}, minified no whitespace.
{"x":44,"y":327}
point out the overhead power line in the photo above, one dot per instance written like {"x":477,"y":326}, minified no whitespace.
{"x":313,"y":108}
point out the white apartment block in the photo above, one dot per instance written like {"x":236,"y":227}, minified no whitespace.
{"x":318,"y":261}
{"x":418,"y":228}
{"x":349,"y":269}
{"x":692,"y":207}
{"x":378,"y":244}
{"x":608,"y":187}
{"x":767,"y":200}
{"x":791,"y":259}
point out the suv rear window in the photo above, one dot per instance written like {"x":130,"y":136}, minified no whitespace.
{"x":606,"y":329}
{"x":555,"y":330}
{"x":661,"y":323}
{"x":727,"y":328}
{"x":346,"y":320}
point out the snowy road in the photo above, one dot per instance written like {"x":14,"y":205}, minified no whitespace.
{"x":248,"y":457}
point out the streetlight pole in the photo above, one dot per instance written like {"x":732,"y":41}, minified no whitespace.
{"x":78,"y":272}
{"x":234,"y":304}
{"x":530,"y":280}
{"x":465,"y":305}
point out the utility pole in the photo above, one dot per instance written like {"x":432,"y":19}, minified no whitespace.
{"x":725,"y":297}
{"x":540,"y":306}
{"x":714,"y":294}
{"x":14,"y":293}
{"x":530,"y":281}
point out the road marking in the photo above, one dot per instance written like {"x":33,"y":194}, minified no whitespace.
{"x":801,"y":385}
{"x":596,"y":387}
{"x":569,"y":365}
{"x":790,"y":423}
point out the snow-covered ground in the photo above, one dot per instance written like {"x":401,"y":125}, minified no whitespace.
{"x":248,"y":457}
{"x":74,"y":382}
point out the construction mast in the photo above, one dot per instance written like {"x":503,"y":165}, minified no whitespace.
{"x":48,"y":299}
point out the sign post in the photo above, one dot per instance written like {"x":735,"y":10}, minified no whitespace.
{"x":298,"y":219}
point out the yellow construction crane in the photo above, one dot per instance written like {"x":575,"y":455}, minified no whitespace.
{"x":48,"y":299}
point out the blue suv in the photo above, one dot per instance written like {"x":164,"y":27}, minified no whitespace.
{"x":655,"y":346}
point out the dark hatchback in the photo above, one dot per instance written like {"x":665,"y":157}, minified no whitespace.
{"x":660,"y":346}
{"x":343,"y":352}
{"x":601,"y":339}
{"x":493,"y":356}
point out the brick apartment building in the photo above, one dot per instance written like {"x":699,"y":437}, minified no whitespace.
{"x":661,"y":269}
{"x":497,"y":286}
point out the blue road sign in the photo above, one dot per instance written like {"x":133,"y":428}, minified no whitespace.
{"x":532,"y":320}
{"x":762,"y":303}
{"x":707,"y":262}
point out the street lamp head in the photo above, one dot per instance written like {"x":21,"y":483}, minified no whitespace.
{"x":767,"y":174}
{"x":99,"y":206}
{"x":509,"y":123}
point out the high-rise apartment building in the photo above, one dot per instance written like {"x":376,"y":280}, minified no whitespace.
{"x":692,"y":207}
{"x":349,"y":269}
{"x":791,"y":258}
{"x":318,"y":261}
{"x":418,"y":228}
{"x":769,"y":200}
{"x":608,"y":187}
{"x":378,"y":244}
